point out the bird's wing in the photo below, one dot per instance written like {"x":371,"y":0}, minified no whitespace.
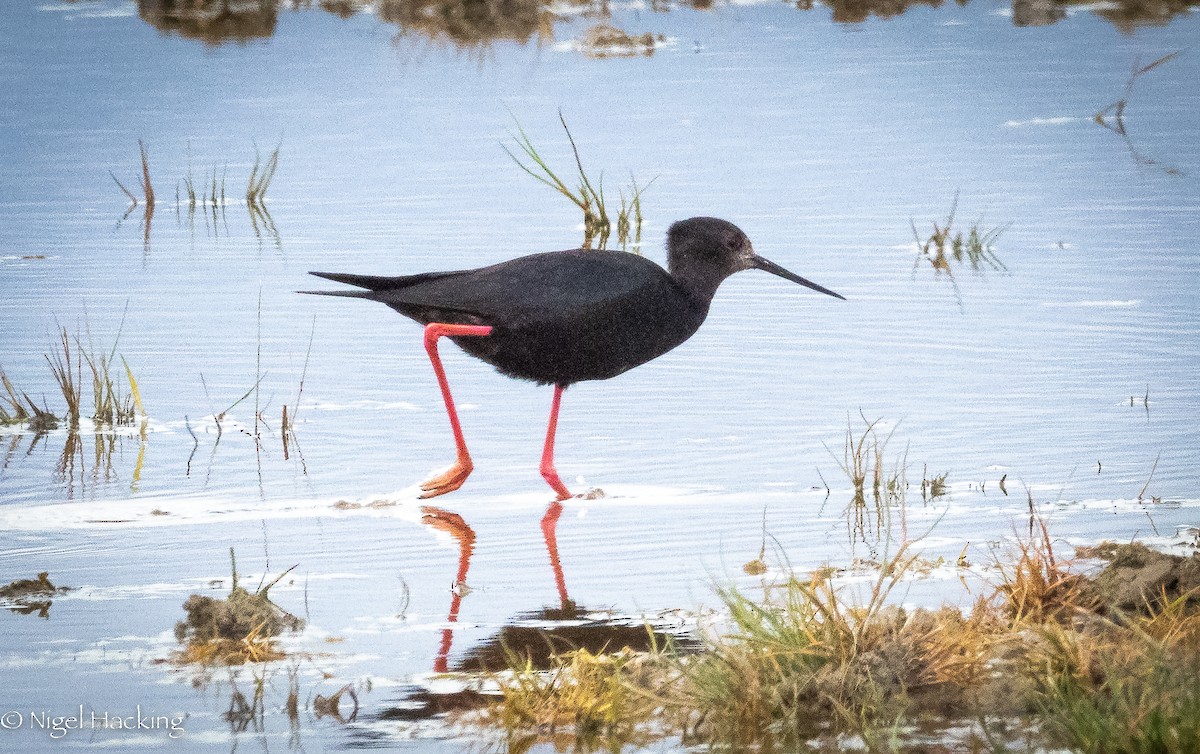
{"x":527,"y":290}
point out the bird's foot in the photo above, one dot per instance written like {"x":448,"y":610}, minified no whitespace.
{"x":447,"y":481}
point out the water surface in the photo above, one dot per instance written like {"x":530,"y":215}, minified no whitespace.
{"x":826,"y":134}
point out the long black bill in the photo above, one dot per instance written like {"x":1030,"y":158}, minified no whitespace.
{"x":769,"y":266}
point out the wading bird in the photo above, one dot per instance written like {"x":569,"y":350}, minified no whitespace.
{"x":566,"y":316}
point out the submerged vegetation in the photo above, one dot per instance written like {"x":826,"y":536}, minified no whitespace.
{"x":946,"y":244}
{"x":879,"y":482}
{"x":1051,"y":657}
{"x":287,"y":421}
{"x":116,"y":412}
{"x":947,"y":247}
{"x":588,"y":195}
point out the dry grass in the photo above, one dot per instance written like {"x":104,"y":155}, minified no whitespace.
{"x":595,"y":699}
{"x":21,"y":409}
{"x":255,"y":646}
{"x":1037,"y":586}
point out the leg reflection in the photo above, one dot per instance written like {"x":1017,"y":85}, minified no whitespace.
{"x":549,"y":526}
{"x":454,"y":525}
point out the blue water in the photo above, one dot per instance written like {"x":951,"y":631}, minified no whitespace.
{"x":823,"y":141}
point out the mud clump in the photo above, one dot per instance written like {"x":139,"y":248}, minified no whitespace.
{"x":237,"y":629}
{"x":236,"y":617}
{"x":1138,"y":577}
{"x":32,"y":595}
{"x":24,"y":588}
{"x":607,"y":41}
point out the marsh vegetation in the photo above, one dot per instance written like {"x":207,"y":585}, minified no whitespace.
{"x":1051,"y":657}
{"x":205,"y":195}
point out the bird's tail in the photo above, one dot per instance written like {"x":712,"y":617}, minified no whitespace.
{"x":370,"y":282}
{"x":348,"y":294}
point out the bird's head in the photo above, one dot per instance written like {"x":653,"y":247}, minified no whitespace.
{"x":703,"y":251}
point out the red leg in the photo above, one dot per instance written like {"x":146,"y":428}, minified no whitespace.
{"x":547,"y":467}
{"x":453,"y":477}
{"x":549,"y":524}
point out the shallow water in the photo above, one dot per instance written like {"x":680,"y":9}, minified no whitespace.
{"x":823,"y":140}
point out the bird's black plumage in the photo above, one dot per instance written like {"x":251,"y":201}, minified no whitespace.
{"x":567,"y":316}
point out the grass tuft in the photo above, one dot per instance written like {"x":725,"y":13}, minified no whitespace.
{"x":945,"y":243}
{"x":879,"y":485}
{"x":596,"y":699}
{"x":260,"y":177}
{"x":21,"y":409}
{"x":1038,"y":587}
{"x":68,"y":374}
{"x":588,"y":196}
{"x":29,"y":596}
{"x":933,"y":487}
{"x":111,"y":406}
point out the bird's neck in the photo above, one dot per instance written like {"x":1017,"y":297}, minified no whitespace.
{"x":698,"y":279}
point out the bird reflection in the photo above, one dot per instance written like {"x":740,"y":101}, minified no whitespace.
{"x":453,"y":524}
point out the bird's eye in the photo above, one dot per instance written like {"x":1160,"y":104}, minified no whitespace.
{"x":733,"y":243}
